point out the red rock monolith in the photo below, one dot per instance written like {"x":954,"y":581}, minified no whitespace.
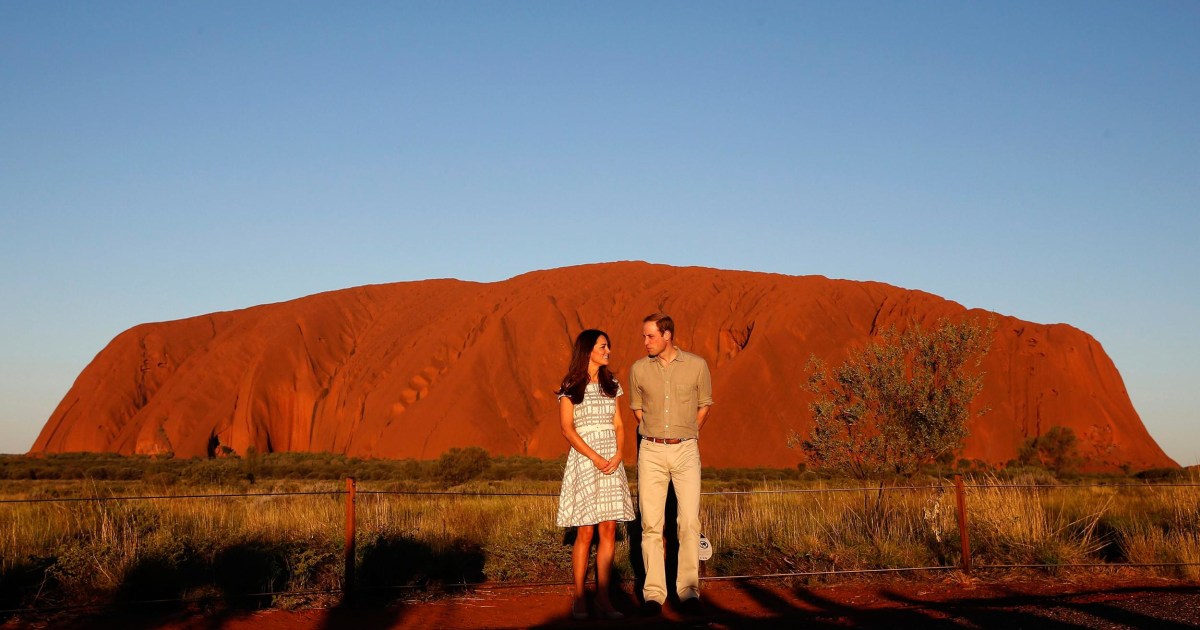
{"x":414,"y":368}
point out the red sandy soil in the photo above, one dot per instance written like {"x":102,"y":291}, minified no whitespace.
{"x":947,"y":602}
{"x":412,"y":369}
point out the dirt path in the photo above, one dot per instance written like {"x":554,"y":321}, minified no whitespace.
{"x":1081,"y":602}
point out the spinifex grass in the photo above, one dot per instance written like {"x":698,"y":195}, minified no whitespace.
{"x":1160,"y":525}
{"x":1064,"y":524}
{"x":1049,"y":526}
{"x":85,"y":552}
{"x":461,"y":539}
{"x":830,"y":529}
{"x":103,"y":551}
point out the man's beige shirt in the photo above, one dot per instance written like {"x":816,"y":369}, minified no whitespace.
{"x":670,"y":396}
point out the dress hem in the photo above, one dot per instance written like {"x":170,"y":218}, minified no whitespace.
{"x":616,"y":520}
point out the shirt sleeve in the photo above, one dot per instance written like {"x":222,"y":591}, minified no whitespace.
{"x":635,"y":392}
{"x":620,"y":391}
{"x":704,"y":386}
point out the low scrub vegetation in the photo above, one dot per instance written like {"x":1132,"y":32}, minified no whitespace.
{"x":262,"y":550}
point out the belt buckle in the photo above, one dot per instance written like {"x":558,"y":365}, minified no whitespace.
{"x":658,"y":440}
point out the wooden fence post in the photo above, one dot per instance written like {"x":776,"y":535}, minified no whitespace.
{"x":348,"y":579}
{"x":962,"y":524}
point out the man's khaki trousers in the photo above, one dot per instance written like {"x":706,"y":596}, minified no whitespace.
{"x":658,"y":466}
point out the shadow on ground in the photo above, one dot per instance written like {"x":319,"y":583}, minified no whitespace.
{"x":198,"y":592}
{"x":755,"y":605}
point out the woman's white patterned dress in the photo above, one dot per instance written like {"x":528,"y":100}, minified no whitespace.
{"x":589,"y":496}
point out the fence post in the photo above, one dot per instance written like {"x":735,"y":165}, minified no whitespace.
{"x":962,"y":524}
{"x":348,"y":578}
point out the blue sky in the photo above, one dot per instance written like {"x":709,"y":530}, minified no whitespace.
{"x":163,"y":160}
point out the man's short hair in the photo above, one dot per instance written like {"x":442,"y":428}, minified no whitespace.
{"x":664,"y":323}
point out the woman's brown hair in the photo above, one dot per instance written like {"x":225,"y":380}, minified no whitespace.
{"x":576,"y":380}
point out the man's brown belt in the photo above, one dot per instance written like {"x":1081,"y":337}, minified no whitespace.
{"x":664,"y":440}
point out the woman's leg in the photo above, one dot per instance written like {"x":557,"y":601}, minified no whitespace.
{"x":604,"y":560}
{"x":579,"y":563}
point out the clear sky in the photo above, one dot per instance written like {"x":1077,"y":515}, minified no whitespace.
{"x":160,"y":160}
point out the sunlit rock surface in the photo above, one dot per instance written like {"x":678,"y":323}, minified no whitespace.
{"x":412,"y":369}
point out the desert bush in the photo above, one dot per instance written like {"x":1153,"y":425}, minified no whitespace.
{"x":897,"y":404}
{"x":1161,"y":474}
{"x":1056,"y":449}
{"x":459,"y":465}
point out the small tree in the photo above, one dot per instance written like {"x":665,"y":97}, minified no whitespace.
{"x":460,"y":465}
{"x":252,"y":463}
{"x":899,"y":403}
{"x":1056,"y":449}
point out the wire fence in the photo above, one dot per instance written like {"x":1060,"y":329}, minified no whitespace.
{"x":460,"y":493}
{"x":456,"y":493}
{"x":960,"y":490}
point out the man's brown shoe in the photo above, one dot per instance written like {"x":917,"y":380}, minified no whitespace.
{"x":651,"y":608}
{"x":691,"y":607}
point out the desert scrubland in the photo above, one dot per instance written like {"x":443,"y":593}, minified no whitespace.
{"x":421,"y":525}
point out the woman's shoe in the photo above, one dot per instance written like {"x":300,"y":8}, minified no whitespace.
{"x":577,"y":613}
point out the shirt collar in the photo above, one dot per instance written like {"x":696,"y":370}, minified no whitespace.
{"x":678,"y":356}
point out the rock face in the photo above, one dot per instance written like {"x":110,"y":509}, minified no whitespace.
{"x":413,"y":369}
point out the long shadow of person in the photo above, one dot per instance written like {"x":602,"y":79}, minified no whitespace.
{"x":393,"y":565}
{"x":634,"y":530}
{"x":671,"y":542}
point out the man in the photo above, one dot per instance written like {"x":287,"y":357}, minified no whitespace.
{"x":670,"y":394}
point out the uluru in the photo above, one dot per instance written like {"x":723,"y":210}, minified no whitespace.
{"x":412,"y":369}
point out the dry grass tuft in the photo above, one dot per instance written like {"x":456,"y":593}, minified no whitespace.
{"x":96,"y":552}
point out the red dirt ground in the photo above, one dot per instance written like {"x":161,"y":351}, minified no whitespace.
{"x":1081,"y":601}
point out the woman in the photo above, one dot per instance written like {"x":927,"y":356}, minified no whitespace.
{"x":595,"y":491}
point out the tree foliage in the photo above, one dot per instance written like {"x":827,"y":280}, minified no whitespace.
{"x":1056,"y":449}
{"x":898,"y":403}
{"x":459,"y":465}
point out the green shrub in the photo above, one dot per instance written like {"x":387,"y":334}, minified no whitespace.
{"x":459,"y":465}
